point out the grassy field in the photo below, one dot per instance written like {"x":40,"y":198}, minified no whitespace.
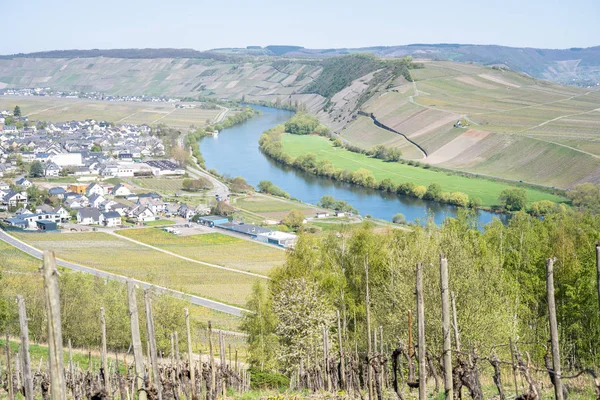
{"x":160,"y":222}
{"x":272,"y":207}
{"x":16,"y":265}
{"x":487,"y":190}
{"x":214,"y":248}
{"x":110,"y":253}
{"x":60,"y":109}
{"x":163,"y":185}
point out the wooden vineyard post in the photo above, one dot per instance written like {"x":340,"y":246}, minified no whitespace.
{"x":136,"y":341}
{"x":342,"y":360}
{"x":367,"y":305}
{"x":447,"y":353}
{"x":9,"y":377}
{"x":104,"y":355}
{"x":223,"y":358}
{"x":598,"y":273}
{"x":421,"y":333}
{"x":26,"y":357}
{"x":553,"y":329}
{"x":190,"y":354}
{"x":213,"y":374}
{"x":152,"y":340}
{"x":58,"y":389}
{"x":326,"y":359}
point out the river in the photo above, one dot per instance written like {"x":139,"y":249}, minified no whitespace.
{"x":235,"y":152}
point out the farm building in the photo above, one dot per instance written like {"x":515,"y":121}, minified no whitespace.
{"x":46,"y":225}
{"x":322,"y":214}
{"x":282,"y":239}
{"x":212,"y":220}
{"x":246,"y":229}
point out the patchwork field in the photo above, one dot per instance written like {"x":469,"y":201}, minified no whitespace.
{"x":16,"y":265}
{"x":214,"y":248}
{"x":529,"y":130}
{"x":60,"y":110}
{"x":271,"y":207}
{"x":110,"y":253}
{"x":487,"y":190}
{"x":162,"y":185}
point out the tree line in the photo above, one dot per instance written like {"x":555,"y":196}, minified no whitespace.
{"x":497,"y":275}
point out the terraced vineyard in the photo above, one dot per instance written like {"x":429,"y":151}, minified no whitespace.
{"x":517,"y":127}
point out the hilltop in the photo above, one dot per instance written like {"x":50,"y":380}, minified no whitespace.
{"x":511,"y":125}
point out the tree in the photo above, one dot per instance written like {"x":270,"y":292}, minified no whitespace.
{"x":96,"y":148}
{"x":239,"y":185}
{"x":399,"y":218}
{"x":543,"y":207}
{"x":301,"y":124}
{"x":585,"y":196}
{"x":260,"y":325}
{"x":475,"y":203}
{"x":419,"y":191}
{"x":17,"y":111}
{"x":302,"y":311}
{"x":36,"y":170}
{"x":393,"y":155}
{"x":363,"y":177}
{"x":180,"y":155}
{"x":326,"y":202}
{"x":294,"y":219}
{"x":434,"y":191}
{"x":194,"y":185}
{"x":460,"y":199}
{"x":223,"y":209}
{"x":513,"y":199}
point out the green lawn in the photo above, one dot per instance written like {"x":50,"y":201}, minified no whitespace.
{"x":263,"y":204}
{"x":160,"y":222}
{"x":113,"y":254}
{"x":164,"y":185}
{"x":214,"y":248}
{"x":487,"y":190}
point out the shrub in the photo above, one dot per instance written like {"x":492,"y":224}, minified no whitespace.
{"x":459,"y":199}
{"x":419,"y":191}
{"x":513,"y":199}
{"x":399,"y":218}
{"x":434,"y":192}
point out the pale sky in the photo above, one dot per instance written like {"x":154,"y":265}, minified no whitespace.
{"x":36,"y":25}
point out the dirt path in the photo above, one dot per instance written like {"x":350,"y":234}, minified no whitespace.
{"x":189,"y":259}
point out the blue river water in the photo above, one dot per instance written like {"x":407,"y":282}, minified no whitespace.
{"x":234,"y":152}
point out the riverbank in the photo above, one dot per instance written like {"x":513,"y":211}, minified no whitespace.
{"x":320,"y":156}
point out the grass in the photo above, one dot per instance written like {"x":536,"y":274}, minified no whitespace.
{"x":214,"y":248}
{"x":487,"y":190}
{"x":264,"y":204}
{"x":110,"y":253}
{"x":163,"y":185}
{"x":160,"y":222}
{"x":17,"y":265}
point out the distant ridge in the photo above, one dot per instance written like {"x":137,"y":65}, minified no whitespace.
{"x":123,"y":53}
{"x":573,"y":66}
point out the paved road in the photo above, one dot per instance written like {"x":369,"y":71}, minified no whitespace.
{"x":200,"y":301}
{"x":219,"y":188}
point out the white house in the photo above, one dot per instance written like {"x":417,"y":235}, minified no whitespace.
{"x":94,"y":188}
{"x":88,"y":216}
{"x":111,"y":218}
{"x":23,"y":182}
{"x":142,"y":213}
{"x":51,"y":169}
{"x":95,"y":200}
{"x":120,"y":190}
{"x":13,"y":198}
{"x":4,"y":185}
{"x":62,"y":213}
